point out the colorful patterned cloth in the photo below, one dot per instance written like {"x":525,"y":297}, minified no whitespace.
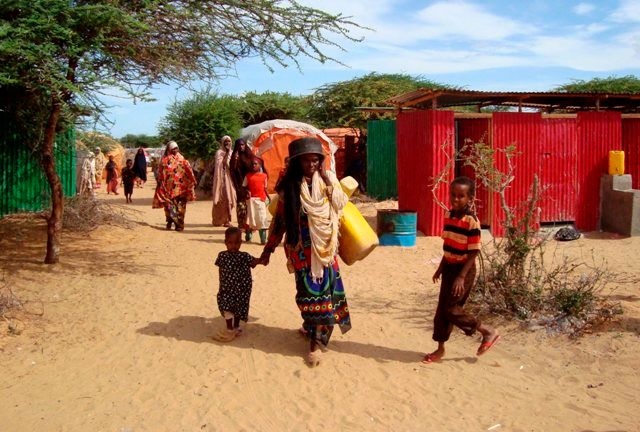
{"x":461,"y":234}
{"x":322,"y":304}
{"x":176,"y":184}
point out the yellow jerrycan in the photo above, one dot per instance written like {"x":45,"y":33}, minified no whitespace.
{"x":357,"y":238}
{"x":616,"y":162}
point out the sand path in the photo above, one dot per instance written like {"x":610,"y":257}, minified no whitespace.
{"x":124,"y":344}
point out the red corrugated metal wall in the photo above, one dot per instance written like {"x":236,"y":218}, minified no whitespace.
{"x":525,"y":131}
{"x":631,"y":147}
{"x":474,"y":131}
{"x":420,"y":137}
{"x":558,"y":176}
{"x":598,"y":133}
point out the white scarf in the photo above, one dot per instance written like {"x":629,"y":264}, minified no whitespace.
{"x":324,"y":220}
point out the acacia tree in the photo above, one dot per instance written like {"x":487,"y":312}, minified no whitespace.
{"x":58,"y":56}
{"x":336,"y":104}
{"x":611,"y":84}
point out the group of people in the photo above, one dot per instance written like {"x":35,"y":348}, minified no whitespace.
{"x":93,"y":167}
{"x":240,"y":183}
{"x":309,"y":208}
{"x":310,"y":204}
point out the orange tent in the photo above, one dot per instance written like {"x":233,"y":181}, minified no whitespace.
{"x":270,"y":140}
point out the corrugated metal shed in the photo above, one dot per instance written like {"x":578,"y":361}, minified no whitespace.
{"x":425,"y":140}
{"x":558,"y":175}
{"x":439,"y":98}
{"x":475,"y":131}
{"x":631,"y":147}
{"x":23,"y":186}
{"x":525,"y":131}
{"x":598,"y":133}
{"x":382,"y":171}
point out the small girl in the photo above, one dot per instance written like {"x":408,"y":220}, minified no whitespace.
{"x":256,"y":182}
{"x":461,"y":237}
{"x":112,"y":176}
{"x":128,"y":180}
{"x":235,"y":284}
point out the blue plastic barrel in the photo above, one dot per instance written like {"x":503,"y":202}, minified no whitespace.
{"x":397,"y":228}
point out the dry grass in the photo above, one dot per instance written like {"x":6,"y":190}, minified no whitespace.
{"x":82,"y":213}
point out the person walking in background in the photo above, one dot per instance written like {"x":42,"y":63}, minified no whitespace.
{"x":140,"y":167}
{"x":99,"y":167}
{"x":224,"y":194}
{"x":241,"y":160}
{"x":309,"y":209}
{"x":112,"y":176}
{"x":128,"y":179}
{"x":256,"y":183}
{"x":457,"y":269}
{"x":176,"y":186}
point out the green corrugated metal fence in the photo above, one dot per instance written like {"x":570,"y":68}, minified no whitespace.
{"x":23,"y":186}
{"x":382,"y":172}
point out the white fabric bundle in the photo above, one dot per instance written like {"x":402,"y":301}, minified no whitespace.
{"x":324,"y":220}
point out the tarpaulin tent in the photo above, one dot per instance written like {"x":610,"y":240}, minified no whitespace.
{"x":270,"y":140}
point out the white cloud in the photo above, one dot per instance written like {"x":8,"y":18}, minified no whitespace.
{"x":583,"y":8}
{"x":628,"y":11}
{"x":467,"y":20}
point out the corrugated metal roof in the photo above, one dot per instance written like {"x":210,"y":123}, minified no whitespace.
{"x":429,"y":98}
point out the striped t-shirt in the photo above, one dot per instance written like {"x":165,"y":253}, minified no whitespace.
{"x":460,"y":236}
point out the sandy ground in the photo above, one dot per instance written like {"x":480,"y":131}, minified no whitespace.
{"x":124,"y":344}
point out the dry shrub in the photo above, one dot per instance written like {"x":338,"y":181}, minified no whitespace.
{"x":84,"y":213}
{"x":9,"y":304}
{"x":565,"y":296}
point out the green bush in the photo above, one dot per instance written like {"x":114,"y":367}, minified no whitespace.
{"x":198,"y":123}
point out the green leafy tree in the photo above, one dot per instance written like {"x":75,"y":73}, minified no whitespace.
{"x":140,"y":140}
{"x":259,"y":107}
{"x":198,"y":123}
{"x":335,"y":105}
{"x":611,"y":84}
{"x":58,"y":56}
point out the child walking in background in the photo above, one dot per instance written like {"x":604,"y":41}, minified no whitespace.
{"x":457,"y":269}
{"x":256,"y":182}
{"x":112,"y":176}
{"x":128,"y":179}
{"x":235,"y":284}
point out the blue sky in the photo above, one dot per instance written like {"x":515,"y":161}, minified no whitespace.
{"x":485,"y":45}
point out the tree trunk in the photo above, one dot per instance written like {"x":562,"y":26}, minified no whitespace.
{"x":48,"y":163}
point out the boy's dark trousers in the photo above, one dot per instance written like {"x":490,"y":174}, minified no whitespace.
{"x":450,"y":310}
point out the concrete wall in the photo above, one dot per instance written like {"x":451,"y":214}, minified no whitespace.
{"x":619,"y":205}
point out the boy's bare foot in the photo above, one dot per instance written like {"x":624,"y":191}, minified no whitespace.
{"x":433,"y":357}
{"x":489,"y":339}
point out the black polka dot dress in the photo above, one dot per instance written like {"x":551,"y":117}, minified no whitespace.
{"x":235,"y":283}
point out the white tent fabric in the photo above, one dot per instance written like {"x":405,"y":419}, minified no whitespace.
{"x":252,"y":132}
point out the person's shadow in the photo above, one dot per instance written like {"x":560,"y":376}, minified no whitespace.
{"x":271,"y":340}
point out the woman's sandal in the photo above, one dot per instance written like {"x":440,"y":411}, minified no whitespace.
{"x":225,"y":335}
{"x":313,"y":358}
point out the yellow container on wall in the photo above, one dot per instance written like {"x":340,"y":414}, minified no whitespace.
{"x":616,"y":162}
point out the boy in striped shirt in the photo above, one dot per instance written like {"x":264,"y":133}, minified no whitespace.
{"x":461,"y":236}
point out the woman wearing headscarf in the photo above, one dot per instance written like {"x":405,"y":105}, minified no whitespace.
{"x":309,"y":209}
{"x":175,"y":188}
{"x":241,"y":160}
{"x":224,"y":194}
{"x":140,"y":167}
{"x":99,"y":166}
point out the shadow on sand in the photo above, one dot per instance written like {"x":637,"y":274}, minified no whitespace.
{"x":271,"y":340}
